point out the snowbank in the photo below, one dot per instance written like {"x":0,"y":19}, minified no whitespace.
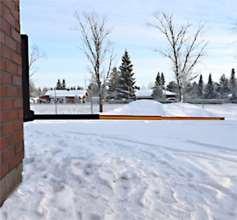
{"x":185,"y":109}
{"x":150,"y":107}
{"x":141,"y":107}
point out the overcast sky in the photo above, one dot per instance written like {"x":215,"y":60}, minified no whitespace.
{"x":51,"y":24}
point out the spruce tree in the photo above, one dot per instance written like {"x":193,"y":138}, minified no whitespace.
{"x":162,"y":78}
{"x":223,"y":87}
{"x":126,"y":82}
{"x":200,"y":87}
{"x":195,"y":90}
{"x":188,"y":90}
{"x":233,"y":84}
{"x":210,"y":90}
{"x":79,"y":88}
{"x":158,"y":80}
{"x":158,"y":87}
{"x":172,"y":87}
{"x":64,"y":84}
{"x":58,"y":85}
{"x":113,"y":83}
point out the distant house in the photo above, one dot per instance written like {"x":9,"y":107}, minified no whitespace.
{"x":64,"y":96}
{"x":170,"y":95}
{"x":147,"y":94}
{"x":144,"y":94}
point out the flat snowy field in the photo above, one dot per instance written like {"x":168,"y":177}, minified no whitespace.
{"x":227,"y":110}
{"x":130,"y":169}
{"x":70,"y":108}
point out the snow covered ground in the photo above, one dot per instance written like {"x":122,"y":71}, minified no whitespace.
{"x":227,"y":110}
{"x":70,"y":108}
{"x":129,"y":170}
{"x":149,"y":107}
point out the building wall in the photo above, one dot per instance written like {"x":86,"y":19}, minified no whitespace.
{"x":11,"y":113}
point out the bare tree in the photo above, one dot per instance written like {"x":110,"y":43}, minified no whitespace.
{"x":97,"y":48}
{"x":184,"y":48}
{"x":34,"y":56}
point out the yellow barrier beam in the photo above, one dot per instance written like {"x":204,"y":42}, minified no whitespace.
{"x":157,"y":118}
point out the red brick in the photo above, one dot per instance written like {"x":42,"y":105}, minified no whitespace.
{"x":2,"y":143}
{"x":6,"y":116}
{"x":7,"y":104}
{"x":2,"y":37}
{"x":3,"y":91}
{"x":11,"y":113}
{"x":1,"y":8}
{"x":10,"y":42}
{"x":15,"y":35}
{"x":6,"y":79}
{"x":16,"y":57}
{"x":3,"y":64}
{"x":12,"y":91}
{"x":8,"y":14}
{"x":5,"y":27}
{"x":19,"y":70}
{"x":12,"y":67}
{"x":6,"y":52}
{"x":17,"y":80}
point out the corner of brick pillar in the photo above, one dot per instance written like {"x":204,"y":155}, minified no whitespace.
{"x":11,"y":113}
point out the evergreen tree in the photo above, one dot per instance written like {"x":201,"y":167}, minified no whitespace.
{"x":223,"y":88}
{"x":195,"y":90}
{"x":200,"y":87}
{"x":172,"y":87}
{"x":79,"y":88}
{"x":58,"y":85}
{"x":113,"y":83}
{"x":233,"y":84}
{"x":210,"y":89}
{"x":188,"y":90}
{"x":158,"y":87}
{"x":162,"y":78}
{"x":158,"y":80}
{"x":64,"y":84}
{"x":126,"y":81}
{"x":157,"y":92}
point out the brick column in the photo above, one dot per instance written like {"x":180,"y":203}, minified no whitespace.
{"x":11,"y":113}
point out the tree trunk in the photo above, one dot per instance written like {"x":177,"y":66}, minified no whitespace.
{"x":100,"y":104}
{"x":179,"y":90}
{"x":100,"y":100}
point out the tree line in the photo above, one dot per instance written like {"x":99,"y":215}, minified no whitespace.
{"x":121,"y":85}
{"x":61,"y":85}
{"x":225,"y":88}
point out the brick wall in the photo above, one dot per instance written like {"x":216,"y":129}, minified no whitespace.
{"x":11,"y":113}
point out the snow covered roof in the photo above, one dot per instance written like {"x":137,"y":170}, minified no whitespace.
{"x":166,"y":92}
{"x":66,"y":93}
{"x":148,"y":93}
{"x":144,"y":93}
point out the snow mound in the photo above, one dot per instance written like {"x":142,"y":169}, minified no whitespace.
{"x":140,"y":107}
{"x":185,"y":109}
{"x":150,"y":107}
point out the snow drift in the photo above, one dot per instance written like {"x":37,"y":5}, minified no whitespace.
{"x":150,"y":107}
{"x":141,"y":107}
